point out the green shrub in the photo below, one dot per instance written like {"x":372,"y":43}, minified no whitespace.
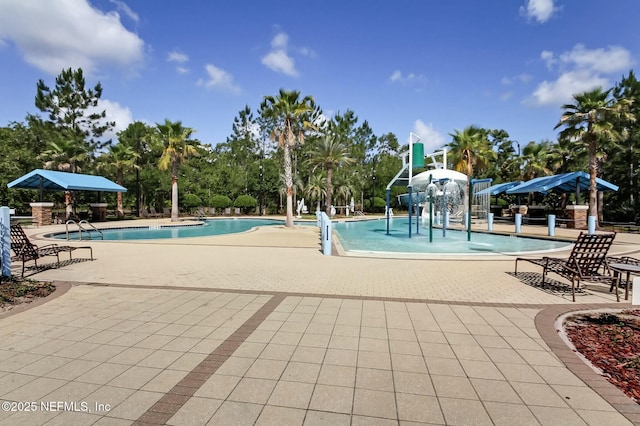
{"x":220,"y":201}
{"x":245,"y":202}
{"x":191,"y":200}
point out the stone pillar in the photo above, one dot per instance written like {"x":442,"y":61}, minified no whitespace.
{"x":577,"y":216}
{"x":98,"y":212}
{"x":41,"y":213}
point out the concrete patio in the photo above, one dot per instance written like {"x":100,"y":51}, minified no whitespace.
{"x":261,"y":328}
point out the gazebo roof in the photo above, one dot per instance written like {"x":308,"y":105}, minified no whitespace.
{"x":62,"y":181}
{"x":563,"y":183}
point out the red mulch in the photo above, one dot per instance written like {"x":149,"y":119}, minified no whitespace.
{"x":611,"y":341}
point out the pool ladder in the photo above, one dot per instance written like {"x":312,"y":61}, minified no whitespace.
{"x":82,"y":229}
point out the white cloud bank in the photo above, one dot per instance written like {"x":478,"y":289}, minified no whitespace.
{"x":538,"y":10}
{"x":580,"y":69}
{"x":56,"y":34}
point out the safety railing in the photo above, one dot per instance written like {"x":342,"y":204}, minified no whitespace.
{"x":82,"y":229}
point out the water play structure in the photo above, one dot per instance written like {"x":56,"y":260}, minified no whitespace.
{"x":439,"y":196}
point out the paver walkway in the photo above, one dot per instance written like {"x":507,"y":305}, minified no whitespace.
{"x":260,"y":327}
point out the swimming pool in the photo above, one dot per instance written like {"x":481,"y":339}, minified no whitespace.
{"x":356,"y":237}
{"x":210,"y":227}
{"x":371,"y":236}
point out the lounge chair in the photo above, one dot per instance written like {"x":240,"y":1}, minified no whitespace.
{"x":200,"y":214}
{"x":25,"y":250}
{"x":587,"y":262}
{"x":154,"y":213}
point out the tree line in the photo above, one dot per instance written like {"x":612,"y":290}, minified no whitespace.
{"x":287,"y":149}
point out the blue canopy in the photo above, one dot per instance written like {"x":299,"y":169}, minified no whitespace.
{"x":498,"y":188}
{"x":62,"y":181}
{"x":564,"y":183}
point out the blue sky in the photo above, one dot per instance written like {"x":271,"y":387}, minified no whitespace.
{"x":427,"y":67}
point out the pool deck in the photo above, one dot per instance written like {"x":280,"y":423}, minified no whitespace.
{"x":261,"y":327}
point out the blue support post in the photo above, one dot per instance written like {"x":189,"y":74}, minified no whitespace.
{"x":410,"y":207}
{"x":518,"y":223}
{"x":418,"y":213}
{"x":490,"y":222}
{"x":430,"y":217}
{"x":470,"y":196}
{"x":5,"y":243}
{"x":551,"y":219}
{"x":591,"y":221}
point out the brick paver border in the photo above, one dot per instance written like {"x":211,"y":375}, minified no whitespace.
{"x":172,"y":401}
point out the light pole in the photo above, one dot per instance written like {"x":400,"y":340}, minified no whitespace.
{"x":373,"y":193}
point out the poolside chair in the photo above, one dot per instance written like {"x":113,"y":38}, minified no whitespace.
{"x":153,"y":212}
{"x":587,"y":262}
{"x":200,"y":213}
{"x":25,"y":250}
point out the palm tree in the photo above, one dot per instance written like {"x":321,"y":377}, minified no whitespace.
{"x":471,"y":150}
{"x":289,"y":116}
{"x":590,"y":119}
{"x":535,"y":157}
{"x":177,"y":149}
{"x":316,"y":188}
{"x":329,"y":152}
{"x":122,"y":158}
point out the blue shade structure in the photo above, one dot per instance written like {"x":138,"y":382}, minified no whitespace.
{"x":563,"y":183}
{"x":498,"y":188}
{"x":62,"y":181}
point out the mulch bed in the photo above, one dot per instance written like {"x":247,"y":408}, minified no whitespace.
{"x":15,"y":291}
{"x":611,"y":342}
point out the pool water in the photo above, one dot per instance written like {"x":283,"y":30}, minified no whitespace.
{"x":357,"y":236}
{"x":371,"y":236}
{"x":210,"y":227}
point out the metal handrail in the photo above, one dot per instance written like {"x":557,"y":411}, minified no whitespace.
{"x":83,"y":221}
{"x":81,"y":228}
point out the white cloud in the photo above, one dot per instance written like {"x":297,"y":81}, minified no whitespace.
{"x":177,"y":56}
{"x":280,"y":41}
{"x":114,"y":112}
{"x":607,"y":60}
{"x":580,"y":69}
{"x":180,"y":58}
{"x":569,"y":83}
{"x":538,"y":10}
{"x":279,"y":60}
{"x":218,"y":79}
{"x":57,"y":34}
{"x":412,"y":80}
{"x":521,"y":78}
{"x":124,"y":8}
{"x":430,"y":137}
